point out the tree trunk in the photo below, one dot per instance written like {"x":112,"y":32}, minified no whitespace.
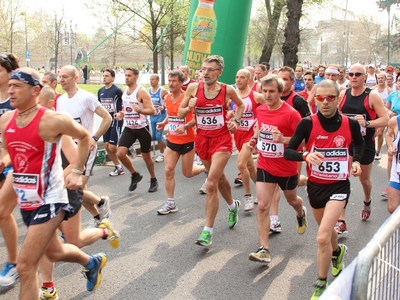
{"x":272,"y":28}
{"x":292,"y":33}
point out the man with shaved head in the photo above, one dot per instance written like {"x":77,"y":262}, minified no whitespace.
{"x":82,"y":106}
{"x":365,"y":105}
{"x":186,"y":74}
{"x":252,"y":84}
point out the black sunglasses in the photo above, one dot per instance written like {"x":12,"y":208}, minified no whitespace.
{"x":357,"y":74}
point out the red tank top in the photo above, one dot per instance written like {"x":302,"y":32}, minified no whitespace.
{"x":249,"y":117}
{"x":290,"y":99}
{"x":211,"y":114}
{"x":335,"y":147}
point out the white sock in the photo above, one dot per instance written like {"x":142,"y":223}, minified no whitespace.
{"x":232,"y":206}
{"x":171,"y":201}
{"x":209,"y":229}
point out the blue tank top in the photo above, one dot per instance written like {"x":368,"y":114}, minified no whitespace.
{"x":156,"y":98}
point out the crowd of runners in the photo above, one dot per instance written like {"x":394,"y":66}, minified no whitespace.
{"x":331,"y":119}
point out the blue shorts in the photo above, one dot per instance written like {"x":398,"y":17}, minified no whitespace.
{"x":46,"y":212}
{"x":394,"y":185}
{"x":156,"y":135}
{"x":113,"y":133}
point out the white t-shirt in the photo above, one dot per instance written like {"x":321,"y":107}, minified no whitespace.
{"x":81,"y":107}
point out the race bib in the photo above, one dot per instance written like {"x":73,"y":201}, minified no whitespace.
{"x":247,"y":121}
{"x":174,"y":123}
{"x":209,"y":118}
{"x":267,"y":147}
{"x":132,"y":119}
{"x":26,"y":187}
{"x":335,"y":165}
{"x":108,"y":104}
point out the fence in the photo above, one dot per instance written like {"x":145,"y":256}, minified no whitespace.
{"x":375,"y":272}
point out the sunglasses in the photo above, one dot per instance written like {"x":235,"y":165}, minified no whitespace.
{"x":357,"y":74}
{"x":328,"y":98}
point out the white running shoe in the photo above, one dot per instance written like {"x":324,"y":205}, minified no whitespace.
{"x":160,"y":158}
{"x":248,"y":203}
{"x":203,"y":189}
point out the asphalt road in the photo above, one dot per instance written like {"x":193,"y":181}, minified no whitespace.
{"x":157,"y":257}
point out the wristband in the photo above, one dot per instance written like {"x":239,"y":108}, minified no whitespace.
{"x":305,"y":154}
{"x":77,"y":171}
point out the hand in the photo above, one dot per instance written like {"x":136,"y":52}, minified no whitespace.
{"x":361,"y":120}
{"x":192,"y":103}
{"x":252,"y":143}
{"x":315,"y":158}
{"x":231,"y":126}
{"x":120,"y":115}
{"x":230,"y":114}
{"x":136,"y":108}
{"x":73,"y":181}
{"x":160,"y":126}
{"x":355,"y":169}
{"x":180,"y":129}
{"x":93,"y":144}
{"x":392,"y":114}
{"x":392,"y":151}
{"x":277,"y":136}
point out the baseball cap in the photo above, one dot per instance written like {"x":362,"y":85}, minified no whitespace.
{"x":371,"y":66}
{"x":389,"y":68}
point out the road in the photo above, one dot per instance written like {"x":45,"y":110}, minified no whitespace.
{"x":157,"y":257}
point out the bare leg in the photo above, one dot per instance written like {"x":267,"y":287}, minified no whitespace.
{"x":112,"y":153}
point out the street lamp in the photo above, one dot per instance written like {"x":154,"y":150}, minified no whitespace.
{"x":27,"y":54}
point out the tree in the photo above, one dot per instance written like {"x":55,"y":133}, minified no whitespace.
{"x":292,"y":33}
{"x":154,"y":16}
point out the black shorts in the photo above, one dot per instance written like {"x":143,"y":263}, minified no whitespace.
{"x":369,"y":152}
{"x":75,"y":200}
{"x":285,"y":183}
{"x":113,"y":133}
{"x":180,"y":148}
{"x":46,"y":212}
{"x":320,"y":194}
{"x":129,"y":137}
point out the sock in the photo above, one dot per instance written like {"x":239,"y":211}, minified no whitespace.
{"x":101,"y":202}
{"x":274,"y":217}
{"x":161,"y":154}
{"x":171,"y":201}
{"x":232,"y":206}
{"x":97,"y":217}
{"x":247,"y":195}
{"x":323,"y":279}
{"x":90,"y":264}
{"x":153,"y":179}
{"x":336,"y":252}
{"x":49,"y":286}
{"x":119,"y":166}
{"x":105,"y":233}
{"x":344,"y":222}
{"x":209,"y":229}
{"x":367,"y":203}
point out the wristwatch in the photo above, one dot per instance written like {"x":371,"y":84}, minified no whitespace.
{"x":367,"y":123}
{"x":95,"y":138}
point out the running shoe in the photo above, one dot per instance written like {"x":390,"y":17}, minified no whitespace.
{"x":320,"y":287}
{"x":341,"y":227}
{"x":105,"y":210}
{"x":9,"y":274}
{"x":248,"y":203}
{"x":366,"y":212}
{"x":160,"y":158}
{"x":378,"y":156}
{"x":255,"y":200}
{"x":238,"y":179}
{"x":385,"y":193}
{"x":203,"y":189}
{"x":205,"y":239}
{"x":153,"y":185}
{"x":112,"y":236}
{"x":96,"y":223}
{"x":44,"y":294}
{"x":135,"y":179}
{"x":117,"y":171}
{"x":302,"y":222}
{"x":261,"y":255}
{"x":167,"y":208}
{"x":337,"y":261}
{"x":233,"y":216}
{"x":275,"y":226}
{"x":93,"y":275}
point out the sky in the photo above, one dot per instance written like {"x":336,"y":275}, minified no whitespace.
{"x":77,"y":12}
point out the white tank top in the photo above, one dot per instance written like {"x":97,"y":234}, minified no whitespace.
{"x":395,"y":170}
{"x":371,"y":81}
{"x":383,"y":94}
{"x":133,"y":120}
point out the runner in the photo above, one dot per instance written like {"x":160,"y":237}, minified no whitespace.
{"x":328,"y":186}
{"x":137,"y":106}
{"x":180,"y":142}
{"x":393,"y":142}
{"x":277,"y":122}
{"x":210,"y":101}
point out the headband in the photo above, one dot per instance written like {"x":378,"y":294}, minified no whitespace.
{"x":332,"y":71}
{"x":25,"y":77}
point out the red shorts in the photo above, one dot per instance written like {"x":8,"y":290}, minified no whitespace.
{"x":242,"y":137}
{"x":207,"y":146}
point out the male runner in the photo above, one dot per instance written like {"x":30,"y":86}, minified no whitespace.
{"x":210,"y":102}
{"x":137,"y":106}
{"x":38,"y":180}
{"x":393,"y":142}
{"x":328,"y":186}
{"x":180,"y":142}
{"x":298,"y":83}
{"x":157,"y":94}
{"x":277,"y":122}
{"x":110,"y":98}
{"x":186,"y":74}
{"x":367,"y":108}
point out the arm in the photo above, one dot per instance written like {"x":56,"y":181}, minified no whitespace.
{"x":231,"y":94}
{"x":144,"y":97}
{"x":189,"y":101}
{"x":301,"y":106}
{"x":301,"y":134}
{"x":390,"y":135}
{"x":358,"y":147}
{"x":311,"y":96}
{"x":68,"y":147}
{"x":259,"y":98}
{"x":105,"y":122}
{"x":376,"y":104}
{"x":5,"y":157}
